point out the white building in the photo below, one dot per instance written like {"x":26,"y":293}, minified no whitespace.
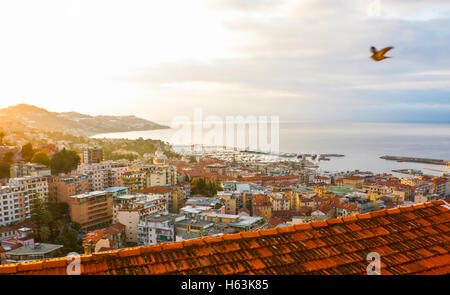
{"x":136,"y":208}
{"x":36,"y":187}
{"x":17,"y":197}
{"x":103,"y":175}
{"x":158,"y":228}
{"x":14,"y":204}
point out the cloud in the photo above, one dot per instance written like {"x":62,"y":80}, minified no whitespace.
{"x":300,"y":59}
{"x":319,"y":51}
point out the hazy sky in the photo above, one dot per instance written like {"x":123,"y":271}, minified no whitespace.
{"x":302,"y":60}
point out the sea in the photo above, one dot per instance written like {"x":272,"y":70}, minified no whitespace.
{"x":361,"y":143}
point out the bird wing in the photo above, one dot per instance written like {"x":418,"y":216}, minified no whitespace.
{"x":384,"y":50}
{"x":373,"y":49}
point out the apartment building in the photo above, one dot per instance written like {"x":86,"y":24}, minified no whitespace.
{"x":60,"y":188}
{"x":355,"y":182}
{"x":231,"y":200}
{"x":161,"y":175}
{"x":103,"y":175}
{"x":142,"y":177}
{"x":158,"y":228}
{"x":92,"y":210}
{"x":28,"y":169}
{"x":129,"y":210}
{"x":17,"y":197}
{"x":92,"y":155}
{"x":35,"y":187}
{"x":261,"y":206}
{"x":134,"y":180}
{"x":15,"y":204}
{"x":439,"y":185}
{"x":280,"y":202}
{"x":175,"y":196}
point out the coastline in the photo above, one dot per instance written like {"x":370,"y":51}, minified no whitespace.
{"x":362,"y":144}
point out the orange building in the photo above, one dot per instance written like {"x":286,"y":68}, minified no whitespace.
{"x":60,"y":188}
{"x":92,"y":210}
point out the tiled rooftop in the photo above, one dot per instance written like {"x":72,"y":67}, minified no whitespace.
{"x":411,"y":240}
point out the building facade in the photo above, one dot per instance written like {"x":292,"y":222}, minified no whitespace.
{"x":60,"y":188}
{"x":92,"y":210}
{"x":103,"y":175}
{"x":92,"y":155}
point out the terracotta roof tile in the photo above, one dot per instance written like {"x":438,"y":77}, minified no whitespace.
{"x":214,"y":239}
{"x":236,"y":236}
{"x":379,"y":213}
{"x":349,"y":218}
{"x":286,"y":229}
{"x":86,"y":258}
{"x":268,"y":232}
{"x":319,"y":223}
{"x":8,"y":269}
{"x":125,"y":252}
{"x":411,"y":240}
{"x":193,"y":242}
{"x":419,"y":206}
{"x":302,"y":226}
{"x":253,"y":234}
{"x":51,"y":263}
{"x":335,"y":221}
{"x":407,"y":208}
{"x":150,"y":249}
{"x":364,"y":216}
{"x":393,"y":211}
{"x":437,"y":202}
{"x":27,"y":266}
{"x":169,"y":246}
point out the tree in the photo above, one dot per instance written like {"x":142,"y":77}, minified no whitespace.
{"x":192,"y":159}
{"x":4,"y":170}
{"x":205,"y":187}
{"x":218,"y":186}
{"x":41,"y":158}
{"x":2,"y":136}
{"x":8,"y":158}
{"x":76,"y":226}
{"x":70,"y":241}
{"x":38,"y":212}
{"x":27,"y":152}
{"x":64,"y":161}
{"x":44,"y":233}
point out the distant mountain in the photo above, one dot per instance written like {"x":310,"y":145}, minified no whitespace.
{"x":74,"y":123}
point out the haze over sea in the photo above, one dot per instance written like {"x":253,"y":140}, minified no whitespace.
{"x":361,"y":143}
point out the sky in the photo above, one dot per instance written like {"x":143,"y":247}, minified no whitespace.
{"x":301,"y":60}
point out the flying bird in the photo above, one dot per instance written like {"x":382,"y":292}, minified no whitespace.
{"x":379,"y":55}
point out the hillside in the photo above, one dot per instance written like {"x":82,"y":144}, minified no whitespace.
{"x":71,"y":122}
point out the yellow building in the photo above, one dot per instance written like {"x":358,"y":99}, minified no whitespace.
{"x":323,"y":192}
{"x":412,"y":181}
{"x":261,"y":206}
{"x":355,"y":182}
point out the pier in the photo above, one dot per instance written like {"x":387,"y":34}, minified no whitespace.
{"x":416,"y":160}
